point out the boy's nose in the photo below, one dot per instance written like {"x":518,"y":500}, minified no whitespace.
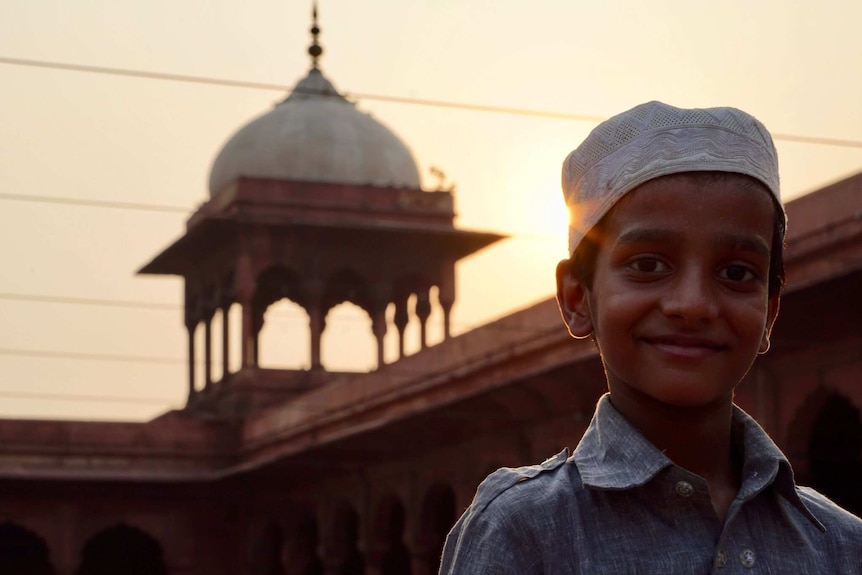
{"x":691,"y":297}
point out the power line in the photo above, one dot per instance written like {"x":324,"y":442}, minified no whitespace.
{"x":49,"y":354}
{"x":294,"y":315}
{"x":94,"y":203}
{"x":83,"y":398}
{"x":65,"y":355}
{"x":89,"y":301}
{"x":818,"y":141}
{"x":285,"y":88}
{"x":396,"y":370}
{"x":137,"y":206}
{"x":838,"y":142}
{"x":142,"y":74}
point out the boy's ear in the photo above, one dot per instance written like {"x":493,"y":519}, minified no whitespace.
{"x":771,"y":315}
{"x":572,"y":297}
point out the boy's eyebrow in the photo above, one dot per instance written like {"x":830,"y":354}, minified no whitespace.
{"x":744,"y":243}
{"x":647,"y":235}
{"x":731,"y":242}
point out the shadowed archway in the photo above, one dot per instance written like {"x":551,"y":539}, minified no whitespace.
{"x":835,"y":453}
{"x":22,"y":552}
{"x":122,"y":549}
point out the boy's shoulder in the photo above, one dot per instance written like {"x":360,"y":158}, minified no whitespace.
{"x":527,"y":477}
{"x":481,"y":538}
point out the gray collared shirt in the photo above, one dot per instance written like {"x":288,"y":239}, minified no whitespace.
{"x":618,"y":505}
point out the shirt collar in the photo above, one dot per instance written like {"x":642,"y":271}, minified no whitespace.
{"x":614,"y":455}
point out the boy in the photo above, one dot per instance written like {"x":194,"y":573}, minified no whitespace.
{"x":675,"y":270}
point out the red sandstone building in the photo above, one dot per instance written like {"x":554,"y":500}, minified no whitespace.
{"x":307,"y":471}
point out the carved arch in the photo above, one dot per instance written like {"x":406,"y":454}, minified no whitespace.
{"x":347,"y":285}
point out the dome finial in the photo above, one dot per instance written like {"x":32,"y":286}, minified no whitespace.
{"x":314,"y":50}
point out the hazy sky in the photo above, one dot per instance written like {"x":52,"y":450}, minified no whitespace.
{"x":150,"y":142}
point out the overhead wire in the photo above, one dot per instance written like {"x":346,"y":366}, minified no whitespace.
{"x":391,"y":368}
{"x":293,"y":315}
{"x":85,"y":398}
{"x":51,"y":354}
{"x":69,"y":201}
{"x":138,"y":206}
{"x":132,"y":304}
{"x":269,"y":86}
{"x":115,"y":358}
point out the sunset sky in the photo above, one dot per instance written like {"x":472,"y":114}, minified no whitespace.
{"x":85,"y":337}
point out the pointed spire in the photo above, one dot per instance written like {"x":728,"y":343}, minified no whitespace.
{"x":314,"y":50}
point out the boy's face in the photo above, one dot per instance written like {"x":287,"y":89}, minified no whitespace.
{"x":679,"y":304}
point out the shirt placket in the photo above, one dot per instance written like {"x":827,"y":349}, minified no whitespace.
{"x":689,"y":500}
{"x":734,"y":554}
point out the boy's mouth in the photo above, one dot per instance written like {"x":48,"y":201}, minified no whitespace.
{"x":682,"y":345}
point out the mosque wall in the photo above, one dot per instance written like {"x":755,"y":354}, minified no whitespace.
{"x":388,"y":511}
{"x":389,"y":515}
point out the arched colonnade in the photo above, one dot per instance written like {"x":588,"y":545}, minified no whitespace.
{"x":121,"y":548}
{"x":411,"y":295}
{"x":341,"y":542}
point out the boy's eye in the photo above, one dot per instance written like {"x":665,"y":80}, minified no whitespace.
{"x":736,"y":273}
{"x":649,"y":265}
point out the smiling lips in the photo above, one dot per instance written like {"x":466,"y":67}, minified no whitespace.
{"x":685,"y":346}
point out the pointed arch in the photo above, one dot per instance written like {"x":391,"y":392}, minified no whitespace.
{"x":282,"y":327}
{"x":284,"y":341}
{"x":348,"y":342}
{"x":347,"y":285}
{"x":275,"y":283}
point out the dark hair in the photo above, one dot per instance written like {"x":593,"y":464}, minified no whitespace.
{"x":582,"y":264}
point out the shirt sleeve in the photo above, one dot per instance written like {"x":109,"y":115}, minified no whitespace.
{"x":486,"y":542}
{"x":497,"y":533}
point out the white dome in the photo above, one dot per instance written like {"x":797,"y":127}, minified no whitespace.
{"x":316,"y":135}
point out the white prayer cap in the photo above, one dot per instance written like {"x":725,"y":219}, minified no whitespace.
{"x":653,"y":140}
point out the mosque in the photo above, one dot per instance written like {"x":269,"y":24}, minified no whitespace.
{"x":301,"y":472}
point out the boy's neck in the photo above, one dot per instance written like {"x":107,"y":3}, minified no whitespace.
{"x":696,"y":439}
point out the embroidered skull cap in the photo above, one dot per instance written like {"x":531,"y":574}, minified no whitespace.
{"x":653,"y":140}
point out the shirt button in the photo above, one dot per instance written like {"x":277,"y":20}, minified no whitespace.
{"x":721,"y":559}
{"x":747,"y":558}
{"x":684,"y":489}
